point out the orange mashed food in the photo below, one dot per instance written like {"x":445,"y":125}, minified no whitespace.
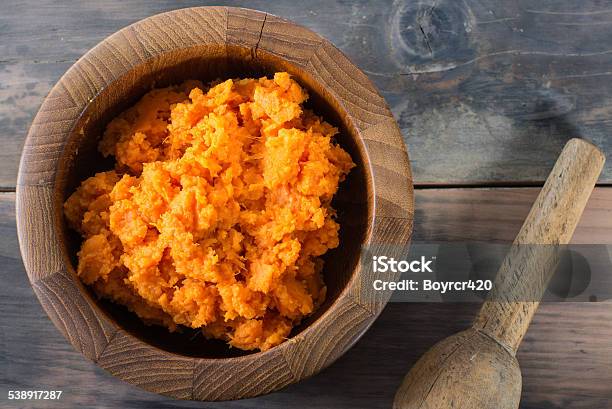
{"x":217,"y":211}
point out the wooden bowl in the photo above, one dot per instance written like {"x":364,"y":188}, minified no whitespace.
{"x":375,"y":203}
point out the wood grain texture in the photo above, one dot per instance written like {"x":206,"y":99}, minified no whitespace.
{"x":207,"y":43}
{"x":394,"y":234}
{"x":526,"y":270}
{"x":495,"y":215}
{"x":395,"y":198}
{"x":477,"y":368}
{"x":40,"y":241}
{"x":248,"y":377}
{"x":266,"y":33}
{"x":465,"y":370}
{"x":488,"y":92}
{"x":565,"y":357}
{"x":73,"y":314}
{"x":318,"y":346}
{"x":361,"y":100}
{"x":130,"y":359}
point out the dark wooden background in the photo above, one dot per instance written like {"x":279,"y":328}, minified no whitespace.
{"x":486,"y":93}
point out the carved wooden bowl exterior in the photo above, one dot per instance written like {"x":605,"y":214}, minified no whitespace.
{"x":375,"y":203}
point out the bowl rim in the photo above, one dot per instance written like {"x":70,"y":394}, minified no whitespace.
{"x":103,"y":341}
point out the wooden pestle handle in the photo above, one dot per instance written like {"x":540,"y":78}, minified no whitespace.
{"x":530,"y":263}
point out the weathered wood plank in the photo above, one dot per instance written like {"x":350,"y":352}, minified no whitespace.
{"x":496,"y":215}
{"x":484,"y":90}
{"x":566,"y":356}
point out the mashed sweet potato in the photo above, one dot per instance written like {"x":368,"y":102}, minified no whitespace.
{"x":217,"y":211}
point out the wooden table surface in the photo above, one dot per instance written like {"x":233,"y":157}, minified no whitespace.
{"x":486,"y":93}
